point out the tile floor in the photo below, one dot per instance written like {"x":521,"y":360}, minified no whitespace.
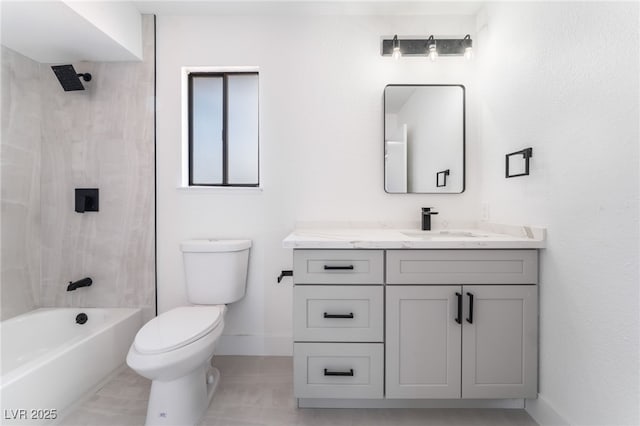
{"x":259,"y":391}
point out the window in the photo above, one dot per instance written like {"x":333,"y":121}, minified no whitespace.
{"x":223,"y":129}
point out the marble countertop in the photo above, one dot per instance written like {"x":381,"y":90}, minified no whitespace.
{"x":480,"y":236}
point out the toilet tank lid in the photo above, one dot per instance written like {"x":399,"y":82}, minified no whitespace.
{"x":214,"y":245}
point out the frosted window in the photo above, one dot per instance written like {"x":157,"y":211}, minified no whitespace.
{"x":243,"y":128}
{"x":223,"y":148}
{"x":206,"y":136}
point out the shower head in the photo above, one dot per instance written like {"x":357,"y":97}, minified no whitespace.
{"x":69,"y":79}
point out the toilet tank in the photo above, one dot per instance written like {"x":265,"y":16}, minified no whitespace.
{"x":215,"y":270}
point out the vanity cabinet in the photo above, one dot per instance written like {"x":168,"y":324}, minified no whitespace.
{"x":338,"y":323}
{"x":415,"y":324}
{"x":490,"y":353}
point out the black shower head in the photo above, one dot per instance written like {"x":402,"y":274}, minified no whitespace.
{"x":69,"y":79}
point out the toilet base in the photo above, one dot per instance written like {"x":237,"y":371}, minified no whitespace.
{"x":183,"y":401}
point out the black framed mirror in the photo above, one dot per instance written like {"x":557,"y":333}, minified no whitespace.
{"x":424,"y":138}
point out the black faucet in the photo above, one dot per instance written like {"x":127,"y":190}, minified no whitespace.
{"x":85,"y":282}
{"x":426,"y":218}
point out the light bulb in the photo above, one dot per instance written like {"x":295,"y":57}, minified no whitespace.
{"x":467,"y":43}
{"x":396,"y":48}
{"x":431,"y":48}
{"x":433,"y":53}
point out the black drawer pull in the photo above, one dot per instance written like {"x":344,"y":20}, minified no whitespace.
{"x":349,"y":315}
{"x":470,"y":319}
{"x":458,"y":318}
{"x":338,"y":373}
{"x":338,"y":268}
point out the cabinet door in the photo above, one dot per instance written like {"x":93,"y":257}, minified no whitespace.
{"x":499,"y":341}
{"x":422,"y":342}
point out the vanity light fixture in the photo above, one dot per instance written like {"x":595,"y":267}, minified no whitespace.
{"x":427,"y":46}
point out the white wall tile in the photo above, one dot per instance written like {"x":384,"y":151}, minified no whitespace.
{"x":20,"y":182}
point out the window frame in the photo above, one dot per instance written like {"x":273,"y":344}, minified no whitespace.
{"x":187,"y":175}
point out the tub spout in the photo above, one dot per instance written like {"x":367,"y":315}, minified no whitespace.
{"x":85,"y":282}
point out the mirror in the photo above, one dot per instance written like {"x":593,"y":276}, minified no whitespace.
{"x":424,"y":136}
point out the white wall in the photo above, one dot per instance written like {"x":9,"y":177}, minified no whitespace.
{"x":321,"y":85}
{"x":563,"y":79}
{"x":70,"y":31}
{"x":119,"y":20}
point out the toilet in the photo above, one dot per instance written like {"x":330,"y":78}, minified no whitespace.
{"x":174,"y":349}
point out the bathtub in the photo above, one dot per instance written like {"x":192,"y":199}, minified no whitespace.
{"x":49,"y":362}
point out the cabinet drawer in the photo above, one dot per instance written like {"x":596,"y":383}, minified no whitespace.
{"x":462,"y":266}
{"x":338,"y":370}
{"x":338,"y":313}
{"x":338,"y":266}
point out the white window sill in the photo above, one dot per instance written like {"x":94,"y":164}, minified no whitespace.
{"x":220,"y":189}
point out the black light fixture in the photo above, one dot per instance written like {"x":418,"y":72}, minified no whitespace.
{"x":427,"y":46}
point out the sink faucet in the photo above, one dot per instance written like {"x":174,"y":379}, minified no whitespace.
{"x":426,"y":218}
{"x":85,"y":282}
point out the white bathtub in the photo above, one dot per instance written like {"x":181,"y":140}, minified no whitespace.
{"x":49,"y":361}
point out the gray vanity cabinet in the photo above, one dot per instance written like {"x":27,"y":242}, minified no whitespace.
{"x":461,"y":341}
{"x":497,"y":345}
{"x":423,"y":342}
{"x":500,"y":346}
{"x":338,"y":315}
{"x":415,"y":324}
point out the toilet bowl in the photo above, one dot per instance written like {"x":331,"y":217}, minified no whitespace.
{"x":174,"y":350}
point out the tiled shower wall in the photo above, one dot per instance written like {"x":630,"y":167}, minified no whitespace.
{"x":20,"y":180}
{"x":102,"y":138}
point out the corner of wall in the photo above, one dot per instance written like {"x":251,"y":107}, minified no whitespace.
{"x":543,"y":413}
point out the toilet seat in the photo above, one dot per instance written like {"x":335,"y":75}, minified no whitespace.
{"x":177,"y":328}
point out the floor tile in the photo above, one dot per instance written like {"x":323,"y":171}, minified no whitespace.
{"x":258,"y":391}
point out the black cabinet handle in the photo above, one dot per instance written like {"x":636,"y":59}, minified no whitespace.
{"x":459,"y":317}
{"x":338,"y":373}
{"x":470,"y":319}
{"x":338,"y":268}
{"x":349,"y":315}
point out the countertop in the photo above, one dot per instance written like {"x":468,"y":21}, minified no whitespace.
{"x":480,"y":236}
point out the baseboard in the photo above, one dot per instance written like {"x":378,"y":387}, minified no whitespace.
{"x":410,"y":403}
{"x":543,"y":413}
{"x":254,"y":345}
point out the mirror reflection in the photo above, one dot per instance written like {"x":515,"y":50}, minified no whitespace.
{"x":424,"y":138}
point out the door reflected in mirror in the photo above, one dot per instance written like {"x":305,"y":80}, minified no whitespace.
{"x":424,"y":138}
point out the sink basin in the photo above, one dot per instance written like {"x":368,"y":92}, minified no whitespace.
{"x":430,"y":235}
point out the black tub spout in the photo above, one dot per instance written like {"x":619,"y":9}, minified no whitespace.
{"x":85,"y":282}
